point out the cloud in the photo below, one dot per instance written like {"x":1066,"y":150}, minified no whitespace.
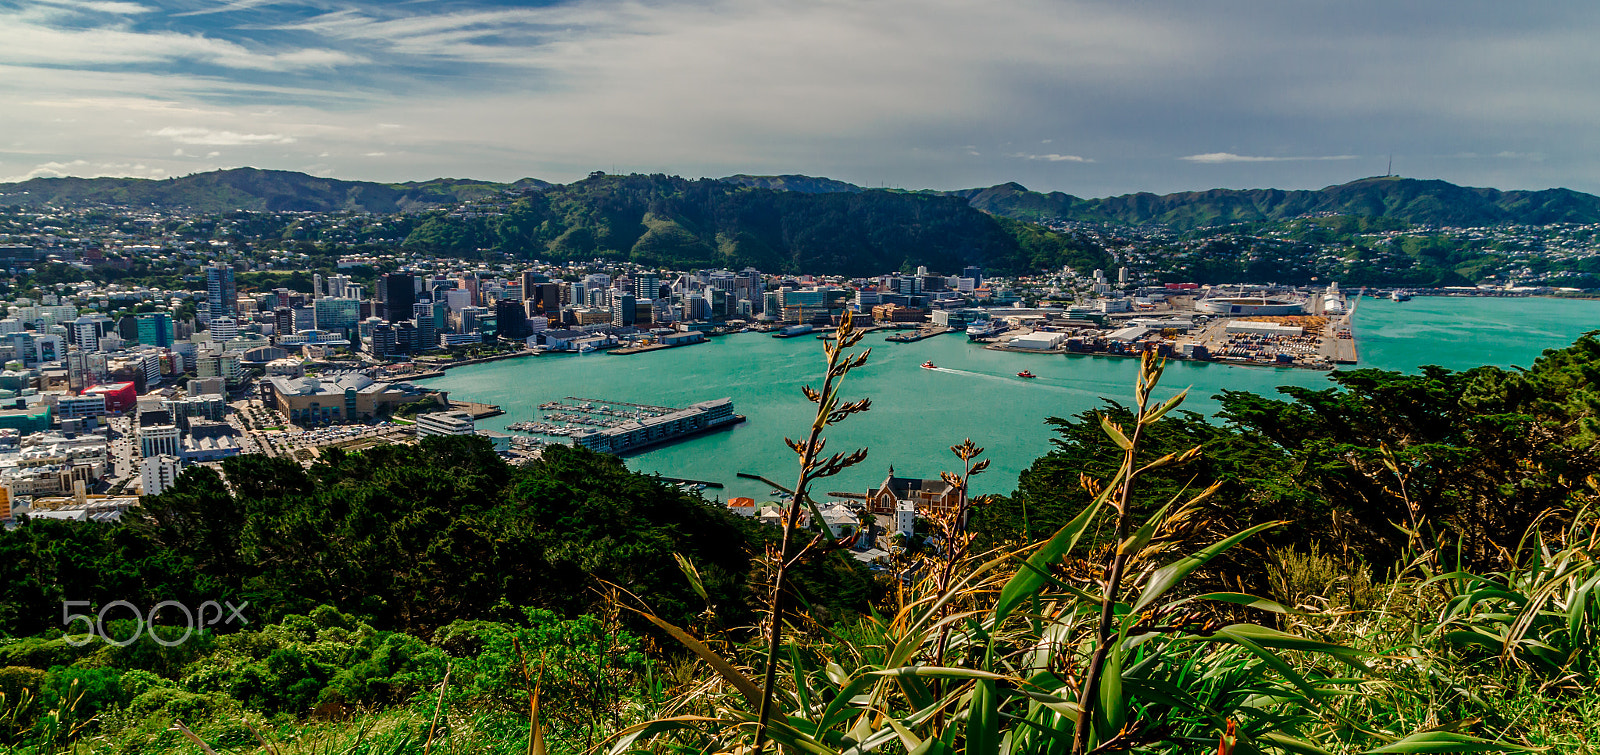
{"x":236,"y":5}
{"x":1053,"y":158}
{"x":877,"y":93}
{"x":114,"y":7}
{"x":28,"y":41}
{"x":88,"y":169}
{"x":211,"y":138}
{"x":1217,"y":158}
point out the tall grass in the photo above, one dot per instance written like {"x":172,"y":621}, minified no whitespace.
{"x":1063,"y":648}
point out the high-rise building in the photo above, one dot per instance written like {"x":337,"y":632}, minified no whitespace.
{"x":973,"y":272}
{"x":155,"y":329}
{"x":397,"y":291}
{"x":224,"y":329}
{"x":458,"y":299}
{"x":222,"y":296}
{"x":86,"y":333}
{"x":282,"y":321}
{"x":511,"y":318}
{"x":622,"y":309}
{"x":543,"y":299}
{"x":647,"y":286}
{"x":336,"y":284}
{"x":424,"y":313}
{"x":337,"y":314}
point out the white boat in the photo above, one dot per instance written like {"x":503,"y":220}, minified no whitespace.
{"x":985,"y":329}
{"x":586,"y":348}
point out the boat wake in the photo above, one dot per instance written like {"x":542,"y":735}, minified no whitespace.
{"x":1040,"y":382}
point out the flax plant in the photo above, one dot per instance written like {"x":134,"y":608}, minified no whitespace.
{"x":1054,"y":648}
{"x":830,"y":411}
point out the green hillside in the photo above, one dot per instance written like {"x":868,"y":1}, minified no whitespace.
{"x":253,"y":189}
{"x":802,"y":184}
{"x":1421,"y":202}
{"x":675,"y":222}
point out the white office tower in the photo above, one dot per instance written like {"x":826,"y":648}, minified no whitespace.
{"x":224,"y":329}
{"x":86,"y":333}
{"x":157,"y":473}
{"x":1122,"y":275}
{"x":317,"y":286}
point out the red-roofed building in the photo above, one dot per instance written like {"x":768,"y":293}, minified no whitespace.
{"x":120,"y":397}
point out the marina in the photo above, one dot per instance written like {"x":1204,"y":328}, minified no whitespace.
{"x":623,"y":427}
{"x":973,"y":392}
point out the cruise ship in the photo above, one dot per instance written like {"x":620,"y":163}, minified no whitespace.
{"x":986,"y":329}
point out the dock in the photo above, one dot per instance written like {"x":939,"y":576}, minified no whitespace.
{"x":621,"y":427}
{"x":478,"y":411}
{"x":919,"y":334}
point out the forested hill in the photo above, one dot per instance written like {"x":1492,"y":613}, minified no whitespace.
{"x":1422,"y":202}
{"x":802,"y":184}
{"x":253,"y":189}
{"x":674,"y":222}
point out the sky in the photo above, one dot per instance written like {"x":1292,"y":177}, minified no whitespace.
{"x":1089,"y":98}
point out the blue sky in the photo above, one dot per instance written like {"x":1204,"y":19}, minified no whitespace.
{"x":1091,"y":98}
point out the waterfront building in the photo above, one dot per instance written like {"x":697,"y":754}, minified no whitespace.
{"x":338,"y":397}
{"x":634,"y":435}
{"x":1249,"y":306}
{"x":445,"y":423}
{"x":622,"y":310}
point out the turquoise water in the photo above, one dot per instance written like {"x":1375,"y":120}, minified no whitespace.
{"x":918,"y":414}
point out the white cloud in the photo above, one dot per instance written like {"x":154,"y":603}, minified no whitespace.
{"x":114,"y":7}
{"x":29,"y":41}
{"x":1217,"y":158}
{"x":212,"y":138}
{"x":88,"y":169}
{"x":1053,"y":158}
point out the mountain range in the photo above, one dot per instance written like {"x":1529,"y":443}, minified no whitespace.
{"x":1414,"y":201}
{"x":255,"y":189}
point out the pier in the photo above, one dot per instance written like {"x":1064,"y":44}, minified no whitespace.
{"x":919,"y":334}
{"x":621,"y":427}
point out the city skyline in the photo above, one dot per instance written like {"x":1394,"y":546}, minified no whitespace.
{"x":1086,"y":98}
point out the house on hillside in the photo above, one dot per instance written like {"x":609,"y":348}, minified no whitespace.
{"x":929,"y":496}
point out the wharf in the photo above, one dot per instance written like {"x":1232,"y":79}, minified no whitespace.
{"x":481,"y":360}
{"x":626,"y":350}
{"x":687,"y":481}
{"x":920,"y":334}
{"x":478,"y":411}
{"x":832,"y":334}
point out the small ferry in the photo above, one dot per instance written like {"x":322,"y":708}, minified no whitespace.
{"x":1399,"y":296}
{"x":1026,"y":374}
{"x":985,"y":329}
{"x":929,"y":366}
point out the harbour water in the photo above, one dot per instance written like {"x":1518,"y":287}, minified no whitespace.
{"x":917,"y":414}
